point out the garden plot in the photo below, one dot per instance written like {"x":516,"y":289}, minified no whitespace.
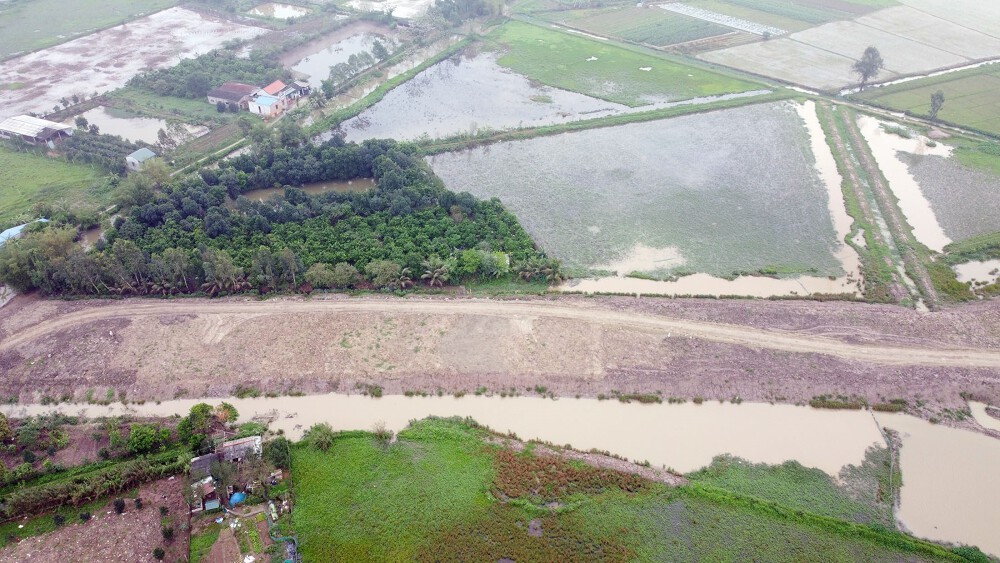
{"x":722,"y":192}
{"x":106,"y":60}
{"x":466,"y":95}
{"x":911,"y":43}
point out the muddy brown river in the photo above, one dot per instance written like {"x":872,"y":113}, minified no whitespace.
{"x":950,"y":491}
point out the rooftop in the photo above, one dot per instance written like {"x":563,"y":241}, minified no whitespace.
{"x":266,"y":101}
{"x":274,"y":87}
{"x":15,"y":232}
{"x":142,"y":154}
{"x":29,"y":126}
{"x":232,"y":90}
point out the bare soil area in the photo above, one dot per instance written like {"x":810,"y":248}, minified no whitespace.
{"x":131,"y":536}
{"x":754,"y":350}
{"x":106,"y":60}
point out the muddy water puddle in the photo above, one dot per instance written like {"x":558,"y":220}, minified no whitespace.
{"x":135,"y":128}
{"x":278,"y":11}
{"x":950,"y":490}
{"x":983,"y":272}
{"x":913,"y":203}
{"x":315,"y":65}
{"x":705,"y":284}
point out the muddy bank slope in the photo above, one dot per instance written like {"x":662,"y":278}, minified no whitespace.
{"x":755,"y":350}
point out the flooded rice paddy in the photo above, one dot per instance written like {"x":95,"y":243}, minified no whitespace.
{"x":133,"y":128}
{"x":278,"y":11}
{"x":406,"y":9}
{"x":470,"y":93}
{"x":886,"y":147}
{"x":702,"y":191}
{"x":314,"y":65}
{"x":106,"y":60}
{"x":949,"y":493}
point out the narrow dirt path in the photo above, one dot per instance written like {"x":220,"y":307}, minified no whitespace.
{"x":670,"y":327}
{"x":901,"y":231}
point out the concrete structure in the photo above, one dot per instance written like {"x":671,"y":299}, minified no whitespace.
{"x":265,"y":105}
{"x":237,"y":450}
{"x":233,"y":94}
{"x":34,"y":130}
{"x":134,"y":161}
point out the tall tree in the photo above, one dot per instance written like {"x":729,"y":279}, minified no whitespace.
{"x":868,"y":66}
{"x":937,"y":102}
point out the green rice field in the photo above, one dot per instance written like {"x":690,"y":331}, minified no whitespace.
{"x":972,"y":97}
{"x":651,"y":26}
{"x":442,"y":493}
{"x":29,"y":25}
{"x":605,"y":71}
{"x":792,"y":15}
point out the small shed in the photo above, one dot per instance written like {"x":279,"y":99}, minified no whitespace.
{"x":237,"y":450}
{"x":265,"y":105}
{"x":134,"y":161}
{"x":205,"y":495}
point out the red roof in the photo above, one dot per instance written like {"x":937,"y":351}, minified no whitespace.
{"x":274,"y":87}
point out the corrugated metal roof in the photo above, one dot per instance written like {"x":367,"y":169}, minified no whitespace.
{"x":142,"y":154}
{"x":15,"y":232}
{"x":32,"y":126}
{"x":233,"y":90}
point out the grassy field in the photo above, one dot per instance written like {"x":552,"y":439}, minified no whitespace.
{"x":644,"y":25}
{"x":433,"y":496}
{"x":972,"y":97}
{"x":29,"y":179}
{"x":29,"y":25}
{"x":612,"y":73}
{"x":202,"y":542}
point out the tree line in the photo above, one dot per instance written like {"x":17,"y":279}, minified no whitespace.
{"x":187,"y":235}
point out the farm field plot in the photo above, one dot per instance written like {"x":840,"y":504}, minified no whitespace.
{"x":721,"y":192}
{"x":106,"y":60}
{"x":28,"y":179}
{"x":981,"y":16}
{"x":966,"y":201}
{"x":972,"y":97}
{"x":646,"y":25}
{"x":911,"y":42}
{"x":594,"y":68}
{"x":27,"y":25}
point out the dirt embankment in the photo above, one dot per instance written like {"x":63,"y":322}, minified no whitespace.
{"x":754,"y":350}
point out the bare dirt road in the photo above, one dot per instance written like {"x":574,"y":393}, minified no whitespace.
{"x":753,"y":350}
{"x":680,"y":328}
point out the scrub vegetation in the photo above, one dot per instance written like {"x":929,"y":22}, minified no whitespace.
{"x":445,"y":491}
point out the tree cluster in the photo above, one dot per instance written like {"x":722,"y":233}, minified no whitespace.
{"x":193,"y":78}
{"x":106,"y":151}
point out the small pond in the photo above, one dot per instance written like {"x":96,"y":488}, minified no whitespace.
{"x":278,"y":11}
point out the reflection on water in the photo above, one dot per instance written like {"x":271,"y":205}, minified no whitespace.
{"x":316,"y":65}
{"x":279,"y":11}
{"x":143,"y":129}
{"x":912,"y":202}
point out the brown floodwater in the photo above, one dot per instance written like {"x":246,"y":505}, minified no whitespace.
{"x":356,"y":185}
{"x":135,"y":128}
{"x":950,"y":490}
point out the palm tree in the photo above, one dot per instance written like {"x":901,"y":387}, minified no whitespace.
{"x":553,"y":272}
{"x":435,"y":271}
{"x":404,"y":281}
